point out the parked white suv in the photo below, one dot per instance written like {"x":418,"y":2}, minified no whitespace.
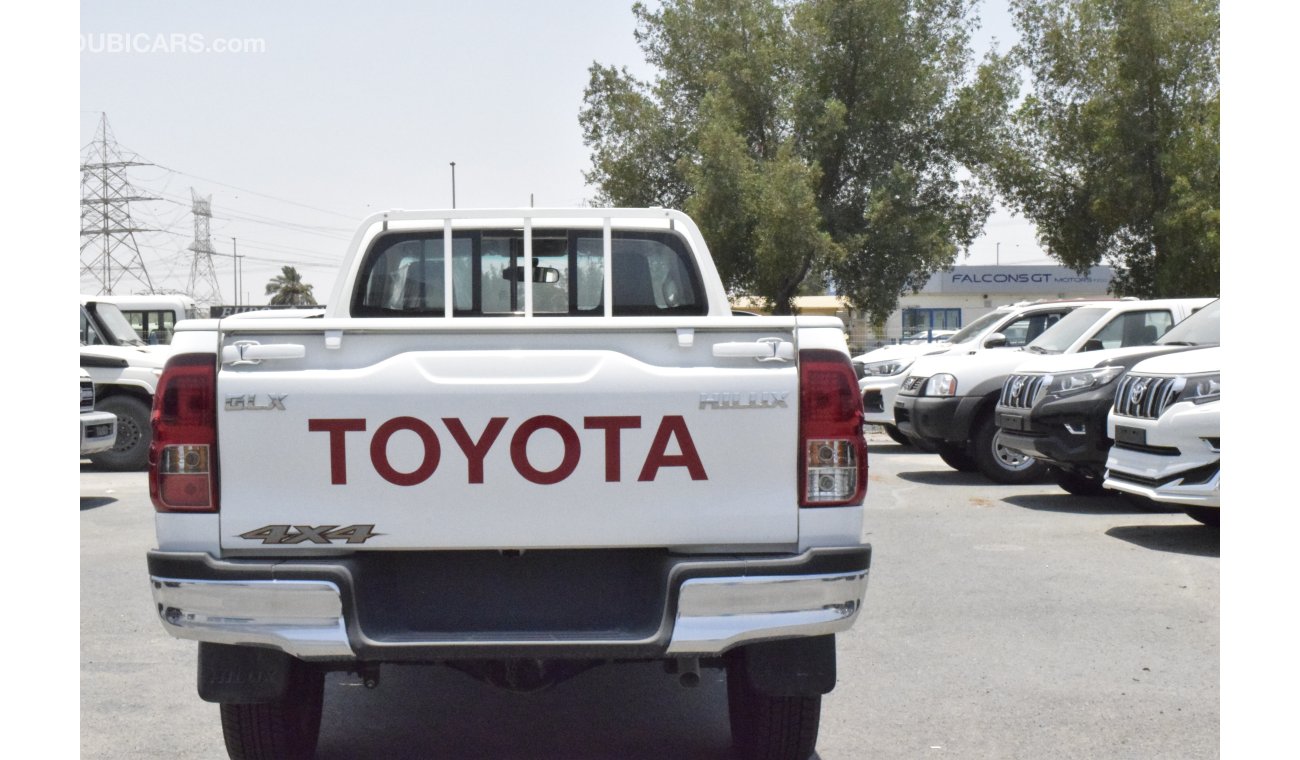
{"x":949,"y":400}
{"x":881,"y":371}
{"x":98,"y":429}
{"x":1165,"y":424}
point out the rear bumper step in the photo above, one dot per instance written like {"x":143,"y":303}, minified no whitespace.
{"x":638,"y":604}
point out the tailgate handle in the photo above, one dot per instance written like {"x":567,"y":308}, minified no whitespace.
{"x":763,"y":349}
{"x":252,"y":352}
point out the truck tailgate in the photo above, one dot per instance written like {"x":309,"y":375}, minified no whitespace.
{"x":405,"y":439}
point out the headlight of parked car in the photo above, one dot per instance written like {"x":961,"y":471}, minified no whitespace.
{"x":1198,"y":389}
{"x":886,"y":367}
{"x":941,"y":385}
{"x":1074,"y":382}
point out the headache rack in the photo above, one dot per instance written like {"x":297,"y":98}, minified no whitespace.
{"x":530,"y":262}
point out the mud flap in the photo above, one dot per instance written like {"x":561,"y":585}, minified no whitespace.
{"x":243,"y":675}
{"x":802,"y":667}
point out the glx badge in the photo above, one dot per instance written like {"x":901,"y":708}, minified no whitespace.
{"x":249,"y":403}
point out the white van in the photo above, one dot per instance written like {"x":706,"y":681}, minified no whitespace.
{"x":154,"y":317}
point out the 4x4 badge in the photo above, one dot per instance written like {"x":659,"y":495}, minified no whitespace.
{"x":316,"y":534}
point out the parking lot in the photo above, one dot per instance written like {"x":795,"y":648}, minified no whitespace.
{"x":999,"y":622}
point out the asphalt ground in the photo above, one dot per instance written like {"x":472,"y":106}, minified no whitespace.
{"x":999,"y":622}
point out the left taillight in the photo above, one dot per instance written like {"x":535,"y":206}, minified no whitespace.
{"x":183,"y":455}
{"x":832,"y":449}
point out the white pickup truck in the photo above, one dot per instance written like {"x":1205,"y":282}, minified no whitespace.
{"x":520,"y":443}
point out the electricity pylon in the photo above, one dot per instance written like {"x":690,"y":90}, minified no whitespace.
{"x":109,"y":252}
{"x":203,"y":287}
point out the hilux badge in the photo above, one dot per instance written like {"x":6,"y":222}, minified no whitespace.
{"x":744,"y":400}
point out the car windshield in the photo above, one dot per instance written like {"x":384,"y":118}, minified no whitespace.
{"x":1060,"y":336}
{"x":114,"y":322}
{"x":975,"y":328}
{"x":1200,"y":329}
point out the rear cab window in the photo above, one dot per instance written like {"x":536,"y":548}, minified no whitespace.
{"x":404,"y":274}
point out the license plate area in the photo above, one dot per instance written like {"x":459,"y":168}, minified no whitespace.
{"x":1011,"y":421}
{"x":1130,"y":435}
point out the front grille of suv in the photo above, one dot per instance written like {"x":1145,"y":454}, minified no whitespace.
{"x":87,"y":396}
{"x":1021,"y":391}
{"x":1144,"y":396}
{"x":912,"y":385}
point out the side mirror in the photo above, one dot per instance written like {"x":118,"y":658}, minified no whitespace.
{"x":996,"y":340}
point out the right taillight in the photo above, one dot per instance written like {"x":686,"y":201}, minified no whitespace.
{"x":183,"y":455}
{"x":832,"y":449}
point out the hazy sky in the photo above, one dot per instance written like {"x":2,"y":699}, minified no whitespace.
{"x":313,"y":115}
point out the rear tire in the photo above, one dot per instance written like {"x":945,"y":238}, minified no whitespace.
{"x":765,"y":727}
{"x":1000,"y":464}
{"x":957,"y":457}
{"x":1204,"y":515}
{"x":131,"y":452}
{"x":897,"y":435}
{"x":286,"y":729}
{"x":1079,"y":483}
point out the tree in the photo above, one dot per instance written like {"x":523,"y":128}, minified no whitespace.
{"x":815,"y":141}
{"x":1114,"y":151}
{"x":288,"y":289}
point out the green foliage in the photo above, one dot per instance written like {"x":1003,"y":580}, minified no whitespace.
{"x":288,"y":289}
{"x":1114,"y":151}
{"x":812,"y":141}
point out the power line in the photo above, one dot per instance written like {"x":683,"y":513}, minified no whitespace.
{"x":336,"y":233}
{"x":264,"y":195}
{"x":325,"y":258}
{"x":106,"y":215}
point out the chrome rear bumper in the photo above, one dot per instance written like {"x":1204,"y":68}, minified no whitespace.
{"x":713,"y":604}
{"x":302,"y":618}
